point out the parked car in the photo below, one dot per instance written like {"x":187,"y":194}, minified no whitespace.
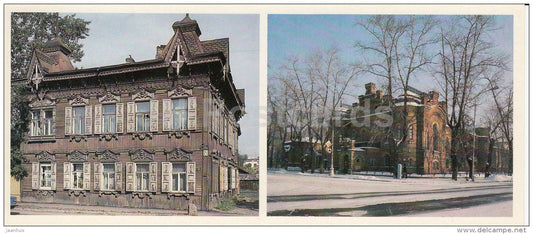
{"x":14,"y":201}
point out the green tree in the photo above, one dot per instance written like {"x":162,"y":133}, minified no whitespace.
{"x":31,"y":31}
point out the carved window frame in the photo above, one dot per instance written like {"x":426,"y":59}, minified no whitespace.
{"x":42,"y":105}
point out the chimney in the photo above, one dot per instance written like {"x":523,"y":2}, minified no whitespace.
{"x":370,"y":88}
{"x":434,"y":97}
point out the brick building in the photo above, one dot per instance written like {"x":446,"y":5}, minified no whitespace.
{"x":160,"y":133}
{"x":428,"y":139}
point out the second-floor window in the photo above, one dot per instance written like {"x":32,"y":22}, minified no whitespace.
{"x":179,"y":114}
{"x":142,"y":116}
{"x":109,"y":118}
{"x":78,"y":119}
{"x":42,"y":123}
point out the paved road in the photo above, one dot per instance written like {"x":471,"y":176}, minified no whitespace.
{"x":297,"y":194}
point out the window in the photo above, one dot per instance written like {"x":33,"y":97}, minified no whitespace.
{"x":45,"y":176}
{"x":142,"y":177}
{"x":179,"y":114}
{"x":42,"y":123}
{"x":411,"y":132}
{"x":109,"y":118}
{"x":78,"y":119}
{"x":77,"y":176}
{"x":142,"y":116}
{"x":435,"y":137}
{"x":108,"y":176}
{"x":179,"y":177}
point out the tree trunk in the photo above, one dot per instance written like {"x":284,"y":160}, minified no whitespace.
{"x":453,"y":151}
{"x":489,"y":156}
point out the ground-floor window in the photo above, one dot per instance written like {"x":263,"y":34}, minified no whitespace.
{"x":142,"y":177}
{"x":179,"y":177}
{"x":108,"y":175}
{"x":77,"y":176}
{"x":43,"y":175}
{"x":46,"y":176}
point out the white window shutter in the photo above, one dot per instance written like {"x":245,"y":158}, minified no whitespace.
{"x":166,"y":177}
{"x":88,"y":120}
{"x":53,"y":183}
{"x":191,"y":177}
{"x":66,"y":175}
{"x":87,"y":176}
{"x":130,"y":175}
{"x":35,"y":171}
{"x":167,"y":114}
{"x":118,"y":176}
{"x":97,"y":176}
{"x":221,"y":178}
{"x":68,"y":120}
{"x":98,"y":119}
{"x":154,"y":115}
{"x":130,"y":118}
{"x":238,"y":180}
{"x":225,"y":178}
{"x":191,"y":115}
{"x":120,"y":117}
{"x":153,"y":177}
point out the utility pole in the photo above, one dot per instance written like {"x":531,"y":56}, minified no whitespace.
{"x":331,"y":168}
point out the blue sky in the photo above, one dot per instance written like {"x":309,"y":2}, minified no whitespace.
{"x":113,"y":37}
{"x":290,"y":35}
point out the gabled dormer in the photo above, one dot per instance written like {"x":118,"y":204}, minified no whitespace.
{"x":52,"y":58}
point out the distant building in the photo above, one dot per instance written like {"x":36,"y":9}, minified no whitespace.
{"x":160,"y":133}
{"x":252,"y":163}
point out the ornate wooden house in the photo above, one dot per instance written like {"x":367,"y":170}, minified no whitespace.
{"x":160,"y":133}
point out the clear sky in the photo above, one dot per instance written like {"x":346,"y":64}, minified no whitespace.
{"x":113,"y":37}
{"x":290,"y":35}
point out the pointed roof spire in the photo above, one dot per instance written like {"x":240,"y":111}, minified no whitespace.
{"x":187,"y":25}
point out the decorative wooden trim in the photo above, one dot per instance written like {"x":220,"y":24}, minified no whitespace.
{"x":180,"y":194}
{"x":108,"y":156}
{"x":109,"y":98}
{"x":109,"y":193}
{"x":179,"y":92}
{"x":77,"y":193}
{"x":141,"y":195}
{"x":45,"y":193}
{"x":142,"y":95}
{"x":78,"y":101}
{"x":43,"y":103}
{"x":108,"y":137}
{"x":45,"y":156}
{"x":78,"y":138}
{"x":142,"y":136}
{"x":141,"y":155}
{"x":178,"y":154}
{"x":77,"y":156}
{"x":179,"y":134}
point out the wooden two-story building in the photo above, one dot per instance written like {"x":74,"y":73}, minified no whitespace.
{"x":160,"y":133}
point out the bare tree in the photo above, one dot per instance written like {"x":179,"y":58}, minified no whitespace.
{"x":397,"y":52}
{"x":334,"y":76}
{"x":465,"y":54}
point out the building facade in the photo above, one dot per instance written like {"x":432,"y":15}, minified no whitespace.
{"x":160,"y":133}
{"x":426,"y":150}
